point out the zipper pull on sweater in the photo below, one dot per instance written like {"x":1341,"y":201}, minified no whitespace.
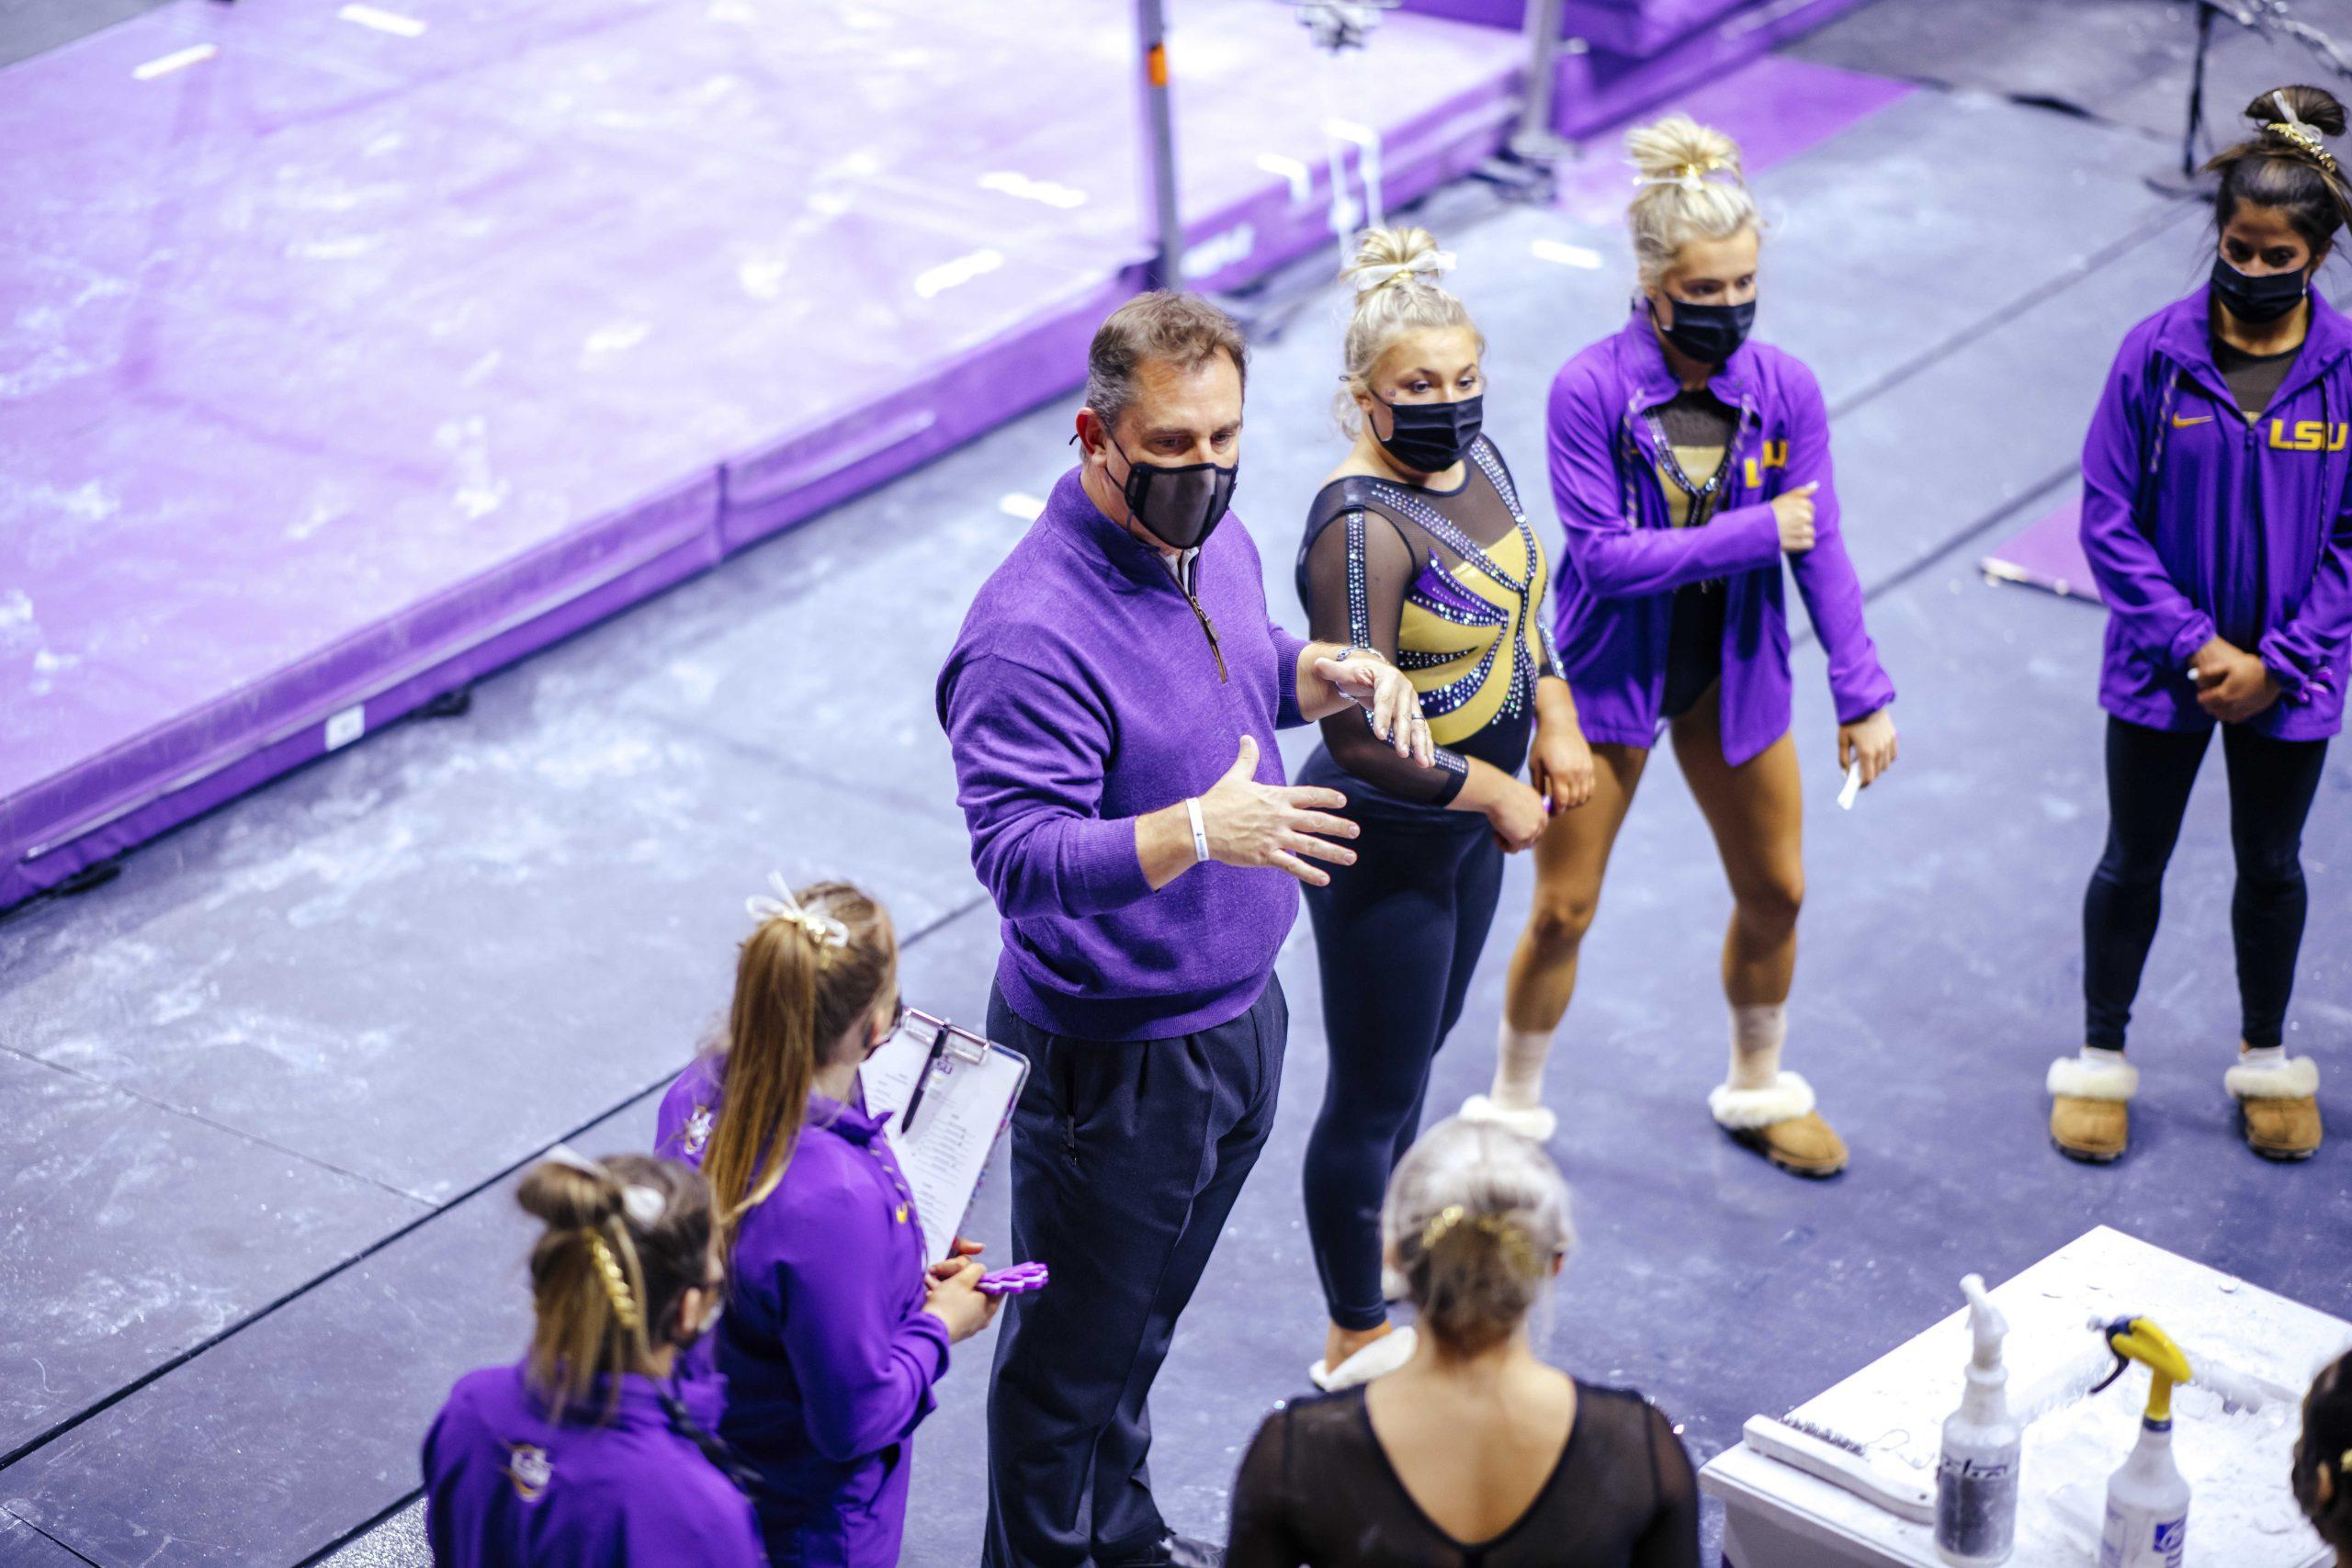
{"x":1209,"y":631}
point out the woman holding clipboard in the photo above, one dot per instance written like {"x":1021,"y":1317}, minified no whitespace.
{"x":834,"y":1330}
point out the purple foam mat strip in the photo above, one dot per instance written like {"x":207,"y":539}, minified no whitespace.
{"x":1636,"y":27}
{"x":2047,"y":554}
{"x":244,"y":767}
{"x":1597,"y":88}
{"x":339,"y":355}
{"x":1644,"y":27}
{"x":1775,"y":108}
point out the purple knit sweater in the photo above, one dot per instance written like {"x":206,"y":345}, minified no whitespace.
{"x":1082,"y":694}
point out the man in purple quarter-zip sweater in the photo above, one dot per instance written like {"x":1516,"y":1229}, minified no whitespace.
{"x":1111,"y":701}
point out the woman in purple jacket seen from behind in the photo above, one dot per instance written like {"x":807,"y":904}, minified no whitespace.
{"x":2215,"y":520}
{"x":593,"y":1453}
{"x":835,"y":1331}
{"x":1687,"y":461}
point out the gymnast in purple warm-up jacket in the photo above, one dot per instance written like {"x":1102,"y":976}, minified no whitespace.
{"x":1687,"y":461}
{"x":592,"y":1452}
{"x":2216,"y":522}
{"x":834,"y":1330}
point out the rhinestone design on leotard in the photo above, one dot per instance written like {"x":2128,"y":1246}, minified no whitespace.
{"x":1441,"y":593}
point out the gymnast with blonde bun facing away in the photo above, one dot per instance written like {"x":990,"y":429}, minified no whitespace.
{"x":1475,"y":1454}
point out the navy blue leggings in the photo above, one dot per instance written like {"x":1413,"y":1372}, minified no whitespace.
{"x":1397,"y":936}
{"x":2149,"y":775}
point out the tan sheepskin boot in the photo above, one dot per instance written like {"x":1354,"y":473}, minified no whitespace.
{"x":2277,"y":1105}
{"x":2091,"y":1108}
{"x":1781,"y":1124}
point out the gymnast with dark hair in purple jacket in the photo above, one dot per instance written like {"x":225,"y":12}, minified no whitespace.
{"x":1687,"y":462}
{"x":2215,"y":520}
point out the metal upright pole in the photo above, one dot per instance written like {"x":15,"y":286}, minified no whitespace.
{"x":2197,"y":90}
{"x":1158,"y":127}
{"x":1535,"y":138}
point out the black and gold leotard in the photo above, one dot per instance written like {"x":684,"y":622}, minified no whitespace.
{"x":1450,"y":586}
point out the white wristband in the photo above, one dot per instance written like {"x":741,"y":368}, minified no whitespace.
{"x":1200,"y":832}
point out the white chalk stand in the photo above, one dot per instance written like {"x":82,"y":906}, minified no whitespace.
{"x":2243,"y":1514}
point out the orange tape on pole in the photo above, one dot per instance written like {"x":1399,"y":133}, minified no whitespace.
{"x":1156,"y":65}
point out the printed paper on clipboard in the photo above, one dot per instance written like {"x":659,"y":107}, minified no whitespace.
{"x":967,"y":1099}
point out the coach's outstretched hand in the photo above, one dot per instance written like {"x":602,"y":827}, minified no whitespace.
{"x":1284,"y":826}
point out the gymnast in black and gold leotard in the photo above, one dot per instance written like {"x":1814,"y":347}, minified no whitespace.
{"x":1416,"y":552}
{"x":1445,"y":583}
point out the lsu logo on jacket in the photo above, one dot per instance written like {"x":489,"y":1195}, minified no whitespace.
{"x":1772,"y":455}
{"x":2308,"y":436}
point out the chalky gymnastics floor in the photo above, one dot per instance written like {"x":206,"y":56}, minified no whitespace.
{"x":267,"y":1090}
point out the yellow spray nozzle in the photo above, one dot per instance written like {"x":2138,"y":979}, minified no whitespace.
{"x":2139,"y":1339}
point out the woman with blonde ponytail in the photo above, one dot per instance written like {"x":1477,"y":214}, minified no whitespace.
{"x":1417,"y":554}
{"x":2214,"y":522}
{"x":1475,"y":1454}
{"x":835,"y":1329}
{"x":1687,"y":462}
{"x":596,"y":1450}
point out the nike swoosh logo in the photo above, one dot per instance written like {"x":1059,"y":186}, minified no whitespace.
{"x":2180,"y":423}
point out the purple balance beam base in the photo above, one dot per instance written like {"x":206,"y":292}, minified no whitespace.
{"x":349,"y":361}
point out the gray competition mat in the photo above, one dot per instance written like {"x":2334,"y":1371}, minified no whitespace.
{"x":2127,"y":62}
{"x":346,"y":1003}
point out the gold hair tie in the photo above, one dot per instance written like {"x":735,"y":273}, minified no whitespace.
{"x":2304,"y":140}
{"x":608,"y":1269}
{"x":2292,"y":127}
{"x":1691,"y":176}
{"x":1519,"y":1254}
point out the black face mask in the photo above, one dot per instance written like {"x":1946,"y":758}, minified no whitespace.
{"x":1180,"y":507}
{"x":1429,"y":438}
{"x":1709,"y":333}
{"x":2256,"y":301}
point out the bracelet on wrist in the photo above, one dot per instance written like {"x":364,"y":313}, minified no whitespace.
{"x":1199,"y":832}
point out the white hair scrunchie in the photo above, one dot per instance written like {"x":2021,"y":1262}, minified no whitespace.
{"x":1436,"y":264}
{"x":1691,"y":177}
{"x":644,"y":1204}
{"x":822,"y":930}
{"x":2294,"y":128}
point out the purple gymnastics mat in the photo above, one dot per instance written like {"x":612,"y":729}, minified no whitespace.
{"x":1630,"y":55}
{"x":2047,"y":554}
{"x":1775,"y":108}
{"x":349,"y":352}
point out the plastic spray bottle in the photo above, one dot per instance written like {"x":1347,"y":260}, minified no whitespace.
{"x":1976,"y":1481}
{"x":2148,"y":1499}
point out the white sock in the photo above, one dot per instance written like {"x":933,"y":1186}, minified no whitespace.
{"x":1758,"y":1034}
{"x":2100,"y":1056}
{"x":1519,"y":1068}
{"x":2263,"y":1056}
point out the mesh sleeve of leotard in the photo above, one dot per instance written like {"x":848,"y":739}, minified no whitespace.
{"x":1260,"y":1535}
{"x":1356,"y":572}
{"x":1672,"y":1539}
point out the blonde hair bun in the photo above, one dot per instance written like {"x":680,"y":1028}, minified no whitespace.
{"x":1396,"y":275}
{"x":1396,"y":259}
{"x":1691,"y":187}
{"x":1475,"y":1218}
{"x":1679,"y":148}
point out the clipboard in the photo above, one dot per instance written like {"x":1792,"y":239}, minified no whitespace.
{"x":947,"y":1094}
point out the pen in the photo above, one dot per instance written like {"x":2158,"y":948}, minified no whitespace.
{"x":922,"y":1079}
